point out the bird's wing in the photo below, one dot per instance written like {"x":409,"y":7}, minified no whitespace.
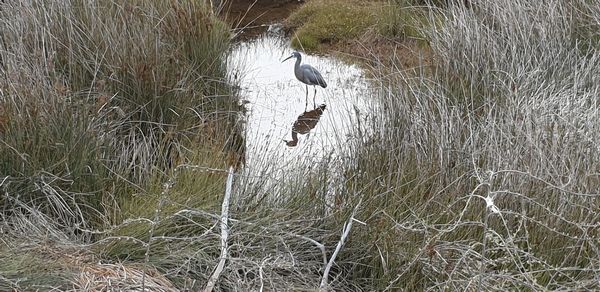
{"x":313,"y":76}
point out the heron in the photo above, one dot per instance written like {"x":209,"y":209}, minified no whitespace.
{"x":307,"y":74}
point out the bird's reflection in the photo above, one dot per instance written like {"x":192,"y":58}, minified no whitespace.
{"x":305,"y":122}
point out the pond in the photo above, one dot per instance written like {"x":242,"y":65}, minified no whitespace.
{"x":284,"y":135}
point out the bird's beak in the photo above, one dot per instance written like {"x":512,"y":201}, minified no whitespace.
{"x":287,"y":58}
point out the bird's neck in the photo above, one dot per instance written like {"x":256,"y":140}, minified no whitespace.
{"x":298,"y":61}
{"x":294,"y":141}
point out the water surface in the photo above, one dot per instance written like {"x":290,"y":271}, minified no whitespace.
{"x":276,"y":99}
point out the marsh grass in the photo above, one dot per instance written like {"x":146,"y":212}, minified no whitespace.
{"x":484,"y":174}
{"x":100,"y":92}
{"x":479,"y":173}
{"x":99,"y":101}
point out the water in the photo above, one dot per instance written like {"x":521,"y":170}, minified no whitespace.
{"x":276,"y":99}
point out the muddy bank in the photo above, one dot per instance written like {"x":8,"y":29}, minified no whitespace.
{"x":249,"y":18}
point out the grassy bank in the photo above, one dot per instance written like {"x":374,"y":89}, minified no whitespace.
{"x":349,"y":26}
{"x":326,"y":22}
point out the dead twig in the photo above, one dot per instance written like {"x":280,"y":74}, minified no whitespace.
{"x":224,"y":234}
{"x":345,"y":233}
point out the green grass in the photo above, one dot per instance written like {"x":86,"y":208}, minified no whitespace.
{"x":323,"y":21}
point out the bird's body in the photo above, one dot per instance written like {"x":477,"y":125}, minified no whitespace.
{"x":307,"y":74}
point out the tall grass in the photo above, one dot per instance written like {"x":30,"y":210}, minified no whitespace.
{"x":103,"y":96}
{"x":479,"y":173}
{"x":483,"y":170}
{"x":99,"y":101}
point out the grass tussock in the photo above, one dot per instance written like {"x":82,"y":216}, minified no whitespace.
{"x":103,"y":96}
{"x":401,"y":19}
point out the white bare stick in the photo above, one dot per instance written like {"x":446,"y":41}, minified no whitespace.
{"x":318,"y":244}
{"x":224,"y":234}
{"x":345,"y":232}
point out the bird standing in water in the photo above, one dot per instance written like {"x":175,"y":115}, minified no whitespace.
{"x":307,"y":74}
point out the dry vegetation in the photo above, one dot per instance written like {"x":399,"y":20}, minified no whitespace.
{"x":481,"y":172}
{"x":99,"y":101}
{"x":486,"y":175}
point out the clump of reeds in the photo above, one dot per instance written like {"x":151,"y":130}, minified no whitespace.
{"x":99,"y":97}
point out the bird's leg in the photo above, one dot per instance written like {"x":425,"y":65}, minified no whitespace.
{"x":306,"y":99}
{"x":314,"y":96}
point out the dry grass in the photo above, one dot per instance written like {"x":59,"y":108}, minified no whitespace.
{"x":480,"y":173}
{"x":484,"y":176}
{"x":99,"y":101}
{"x":110,"y":277}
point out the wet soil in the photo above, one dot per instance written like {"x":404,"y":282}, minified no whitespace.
{"x":250,"y":18}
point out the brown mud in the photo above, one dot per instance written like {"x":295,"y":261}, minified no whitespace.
{"x":250,"y":18}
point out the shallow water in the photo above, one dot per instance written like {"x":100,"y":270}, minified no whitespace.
{"x":275,"y":100}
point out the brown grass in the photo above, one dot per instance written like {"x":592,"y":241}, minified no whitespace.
{"x":110,"y":277}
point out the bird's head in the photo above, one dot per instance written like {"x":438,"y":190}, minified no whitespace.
{"x":293,"y":55}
